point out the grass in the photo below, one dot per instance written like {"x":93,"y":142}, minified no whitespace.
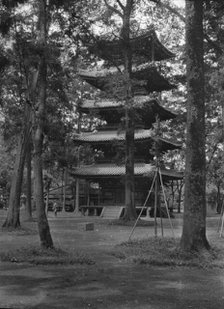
{"x":39,"y":256}
{"x":150,"y":251}
{"x":166,"y":252}
{"x":121,"y":222}
{"x":19,"y":231}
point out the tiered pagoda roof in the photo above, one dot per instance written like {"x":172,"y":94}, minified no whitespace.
{"x":144,"y":80}
{"x":147,"y":110}
{"x":145,"y":48}
{"x":113,"y":170}
{"x":103,"y":137}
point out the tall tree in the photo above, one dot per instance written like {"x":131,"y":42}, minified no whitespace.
{"x":130,"y":211}
{"x":194,"y":225}
{"x":38,"y":128}
{"x":7,"y":14}
{"x":13,"y":218}
{"x":124,"y":11}
{"x":29,"y":182}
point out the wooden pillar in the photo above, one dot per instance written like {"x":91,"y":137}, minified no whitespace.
{"x":77,"y":195}
{"x":88,"y":198}
{"x":64,"y":188}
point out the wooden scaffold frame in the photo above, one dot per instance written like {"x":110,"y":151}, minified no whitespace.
{"x":155,"y":182}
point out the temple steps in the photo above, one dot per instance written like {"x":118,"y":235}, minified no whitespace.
{"x":112,"y":212}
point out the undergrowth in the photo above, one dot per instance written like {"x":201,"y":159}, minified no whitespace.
{"x":37,"y":256}
{"x":167,"y":252}
{"x":19,"y":231}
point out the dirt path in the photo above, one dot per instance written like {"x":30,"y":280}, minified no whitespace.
{"x":116,"y":286}
{"x":109,"y":283}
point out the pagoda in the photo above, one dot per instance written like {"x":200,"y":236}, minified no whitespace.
{"x":104,"y":192}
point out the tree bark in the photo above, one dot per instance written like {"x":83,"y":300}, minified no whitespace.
{"x":38,"y":119}
{"x":28,"y":183}
{"x":13,"y":215}
{"x":130,"y":211}
{"x":180,"y":184}
{"x":218,"y":199}
{"x":194,"y":225}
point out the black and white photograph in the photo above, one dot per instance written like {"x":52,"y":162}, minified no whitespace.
{"x":111,"y":154}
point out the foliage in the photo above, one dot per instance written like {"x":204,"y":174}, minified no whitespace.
{"x":72,"y":23}
{"x":67,"y":25}
{"x":214,"y":26}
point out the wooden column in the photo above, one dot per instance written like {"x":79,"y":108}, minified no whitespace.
{"x":77,"y":195}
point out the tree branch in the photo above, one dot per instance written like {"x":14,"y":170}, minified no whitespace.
{"x":182,"y":18}
{"x":170,"y":8}
{"x":213,"y":44}
{"x":120,"y":4}
{"x":215,"y":147}
{"x":110,"y":7}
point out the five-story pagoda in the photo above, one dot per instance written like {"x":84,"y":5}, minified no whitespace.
{"x":121,"y":178}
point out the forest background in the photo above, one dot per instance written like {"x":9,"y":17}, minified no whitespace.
{"x":42,"y":49}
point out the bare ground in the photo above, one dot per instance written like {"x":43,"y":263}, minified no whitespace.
{"x":110,"y":282}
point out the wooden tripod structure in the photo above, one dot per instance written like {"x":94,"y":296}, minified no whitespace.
{"x":157,"y":179}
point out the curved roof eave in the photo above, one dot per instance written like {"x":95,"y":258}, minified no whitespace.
{"x":113,"y":170}
{"x":145,"y":48}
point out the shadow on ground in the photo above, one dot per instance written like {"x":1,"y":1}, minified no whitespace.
{"x":110,"y":283}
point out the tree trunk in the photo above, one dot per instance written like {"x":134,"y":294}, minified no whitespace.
{"x":130,"y":211}
{"x":28,"y":185}
{"x":13,"y":215}
{"x":194,"y":225}
{"x":218,"y":199}
{"x":180,"y":184}
{"x":43,"y":227}
{"x":38,"y":119}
